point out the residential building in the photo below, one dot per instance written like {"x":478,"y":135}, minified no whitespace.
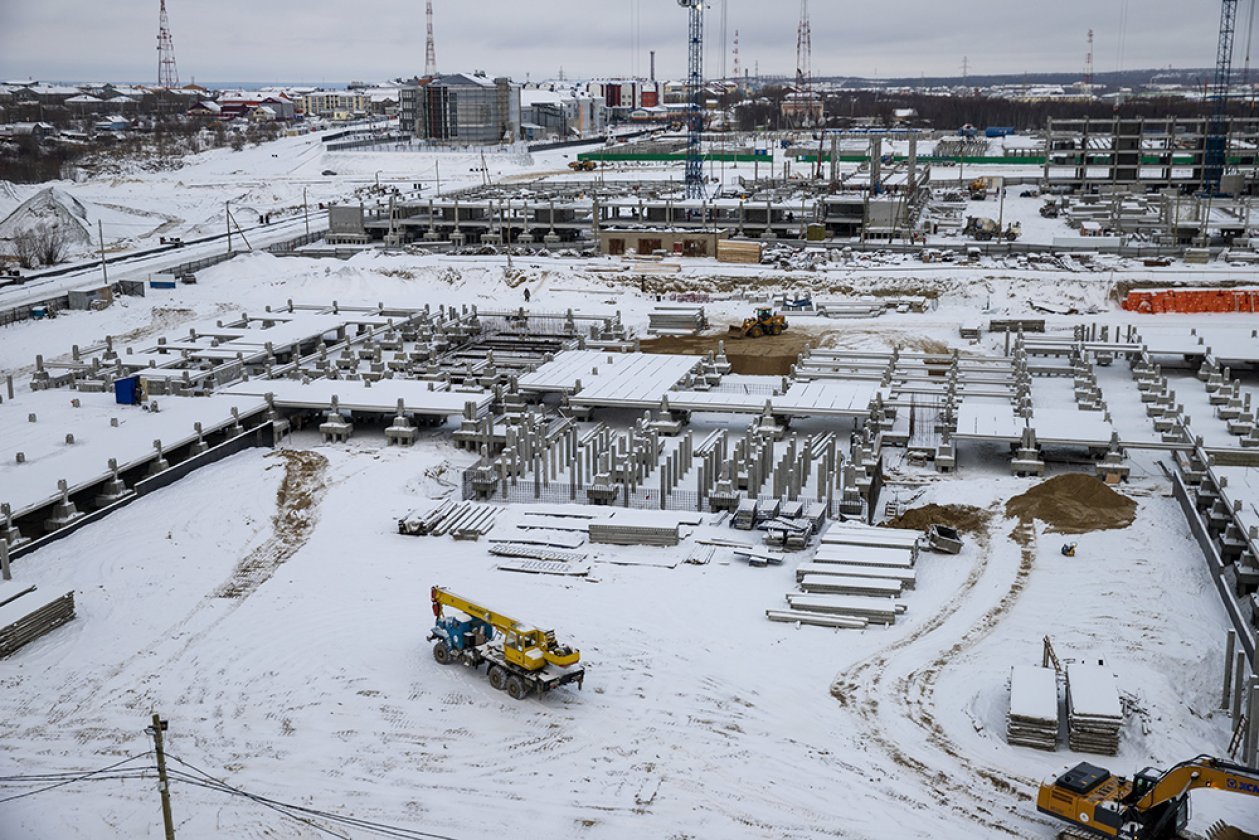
{"x":462,"y":108}
{"x":335,"y":104}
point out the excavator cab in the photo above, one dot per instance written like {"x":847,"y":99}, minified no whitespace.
{"x":1143,"y":783}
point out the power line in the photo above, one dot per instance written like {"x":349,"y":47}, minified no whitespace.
{"x":73,"y":779}
{"x":211,"y":783}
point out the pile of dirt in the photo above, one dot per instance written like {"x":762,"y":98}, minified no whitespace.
{"x":770,"y":355}
{"x":965,"y":518}
{"x":1074,"y":503}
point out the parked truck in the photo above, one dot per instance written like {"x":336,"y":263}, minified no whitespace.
{"x":520,"y":658}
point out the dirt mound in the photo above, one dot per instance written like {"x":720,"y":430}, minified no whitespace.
{"x":964,"y":518}
{"x":770,"y":355}
{"x":1073,"y":504}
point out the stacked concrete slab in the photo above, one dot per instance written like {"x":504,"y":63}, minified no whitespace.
{"x":1033,"y":717}
{"x":1094,"y":712}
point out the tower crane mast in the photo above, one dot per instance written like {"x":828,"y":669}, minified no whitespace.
{"x":1216,"y":146}
{"x":694,"y":96}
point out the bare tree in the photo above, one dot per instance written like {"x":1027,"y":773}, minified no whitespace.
{"x":50,"y":244}
{"x":26,"y":248}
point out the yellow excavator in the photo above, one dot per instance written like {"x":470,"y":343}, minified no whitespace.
{"x":521,"y":658}
{"x":1154,"y":805}
{"x":765,"y":322}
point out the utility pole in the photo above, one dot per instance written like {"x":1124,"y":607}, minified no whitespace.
{"x":306,"y":211}
{"x":163,"y":784}
{"x":227,"y":212}
{"x":100,"y":232}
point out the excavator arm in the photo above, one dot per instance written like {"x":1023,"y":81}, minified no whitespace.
{"x":1197,"y":773}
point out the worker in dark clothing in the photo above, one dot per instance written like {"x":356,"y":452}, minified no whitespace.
{"x":526,"y":295}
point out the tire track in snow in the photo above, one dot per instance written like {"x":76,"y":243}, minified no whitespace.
{"x":861,"y":688}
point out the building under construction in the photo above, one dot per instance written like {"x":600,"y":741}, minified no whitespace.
{"x":1147,"y":154}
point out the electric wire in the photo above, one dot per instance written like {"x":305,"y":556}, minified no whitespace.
{"x":74,"y":778}
{"x":205,"y":780}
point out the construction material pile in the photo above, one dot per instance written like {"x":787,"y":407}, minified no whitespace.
{"x":1074,"y":503}
{"x":463,"y":521}
{"x":677,"y":319}
{"x":1155,"y":301}
{"x":26,"y":616}
{"x":1094,"y":713}
{"x":633,"y":534}
{"x":1033,"y":717}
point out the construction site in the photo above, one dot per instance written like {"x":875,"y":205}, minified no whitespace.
{"x":845,"y":507}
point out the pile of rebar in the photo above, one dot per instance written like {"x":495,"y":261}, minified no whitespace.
{"x":25,"y":617}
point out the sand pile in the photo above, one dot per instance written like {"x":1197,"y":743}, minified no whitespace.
{"x":1073,"y":504}
{"x":965,"y":518}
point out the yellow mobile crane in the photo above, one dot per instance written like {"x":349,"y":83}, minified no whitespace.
{"x":1153,"y":806}
{"x":520,"y":657}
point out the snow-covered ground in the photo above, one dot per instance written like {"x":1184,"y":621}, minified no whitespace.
{"x":283,"y":634}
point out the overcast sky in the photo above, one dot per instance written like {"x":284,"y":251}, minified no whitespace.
{"x":287,"y":40}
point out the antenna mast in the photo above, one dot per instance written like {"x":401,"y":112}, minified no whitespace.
{"x":804,"y":50}
{"x":430,"y":51}
{"x":1088,"y":63}
{"x":167,"y":74}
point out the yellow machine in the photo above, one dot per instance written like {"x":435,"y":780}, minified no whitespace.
{"x":978,"y":189}
{"x":517,"y":653}
{"x":583,"y":165}
{"x":765,"y":322}
{"x":1154,"y":805}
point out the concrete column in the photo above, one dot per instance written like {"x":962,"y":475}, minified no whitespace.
{"x":664,"y":487}
{"x":1230,"y":646}
{"x":1239,"y":682}
{"x":4,"y":559}
{"x":537,"y":479}
{"x":573,"y":467}
{"x":1252,"y":732}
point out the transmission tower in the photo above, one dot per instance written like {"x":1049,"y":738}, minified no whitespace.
{"x":167,"y":74}
{"x":1088,"y":63}
{"x":738,"y":70}
{"x":1217,"y":128}
{"x":804,"y":50}
{"x":430,"y":51}
{"x":694,"y":95}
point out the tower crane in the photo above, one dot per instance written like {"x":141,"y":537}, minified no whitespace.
{"x":1216,"y":145}
{"x":694,"y":94}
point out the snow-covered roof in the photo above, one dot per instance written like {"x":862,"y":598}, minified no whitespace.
{"x":448,"y":79}
{"x":83,"y":99}
{"x":55,"y":90}
{"x":531,"y":97}
{"x":121,"y":100}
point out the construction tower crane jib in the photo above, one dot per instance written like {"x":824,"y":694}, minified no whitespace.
{"x":694,"y":96}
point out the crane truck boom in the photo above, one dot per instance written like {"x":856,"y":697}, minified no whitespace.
{"x":520,"y":658}
{"x":1154,"y":805}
